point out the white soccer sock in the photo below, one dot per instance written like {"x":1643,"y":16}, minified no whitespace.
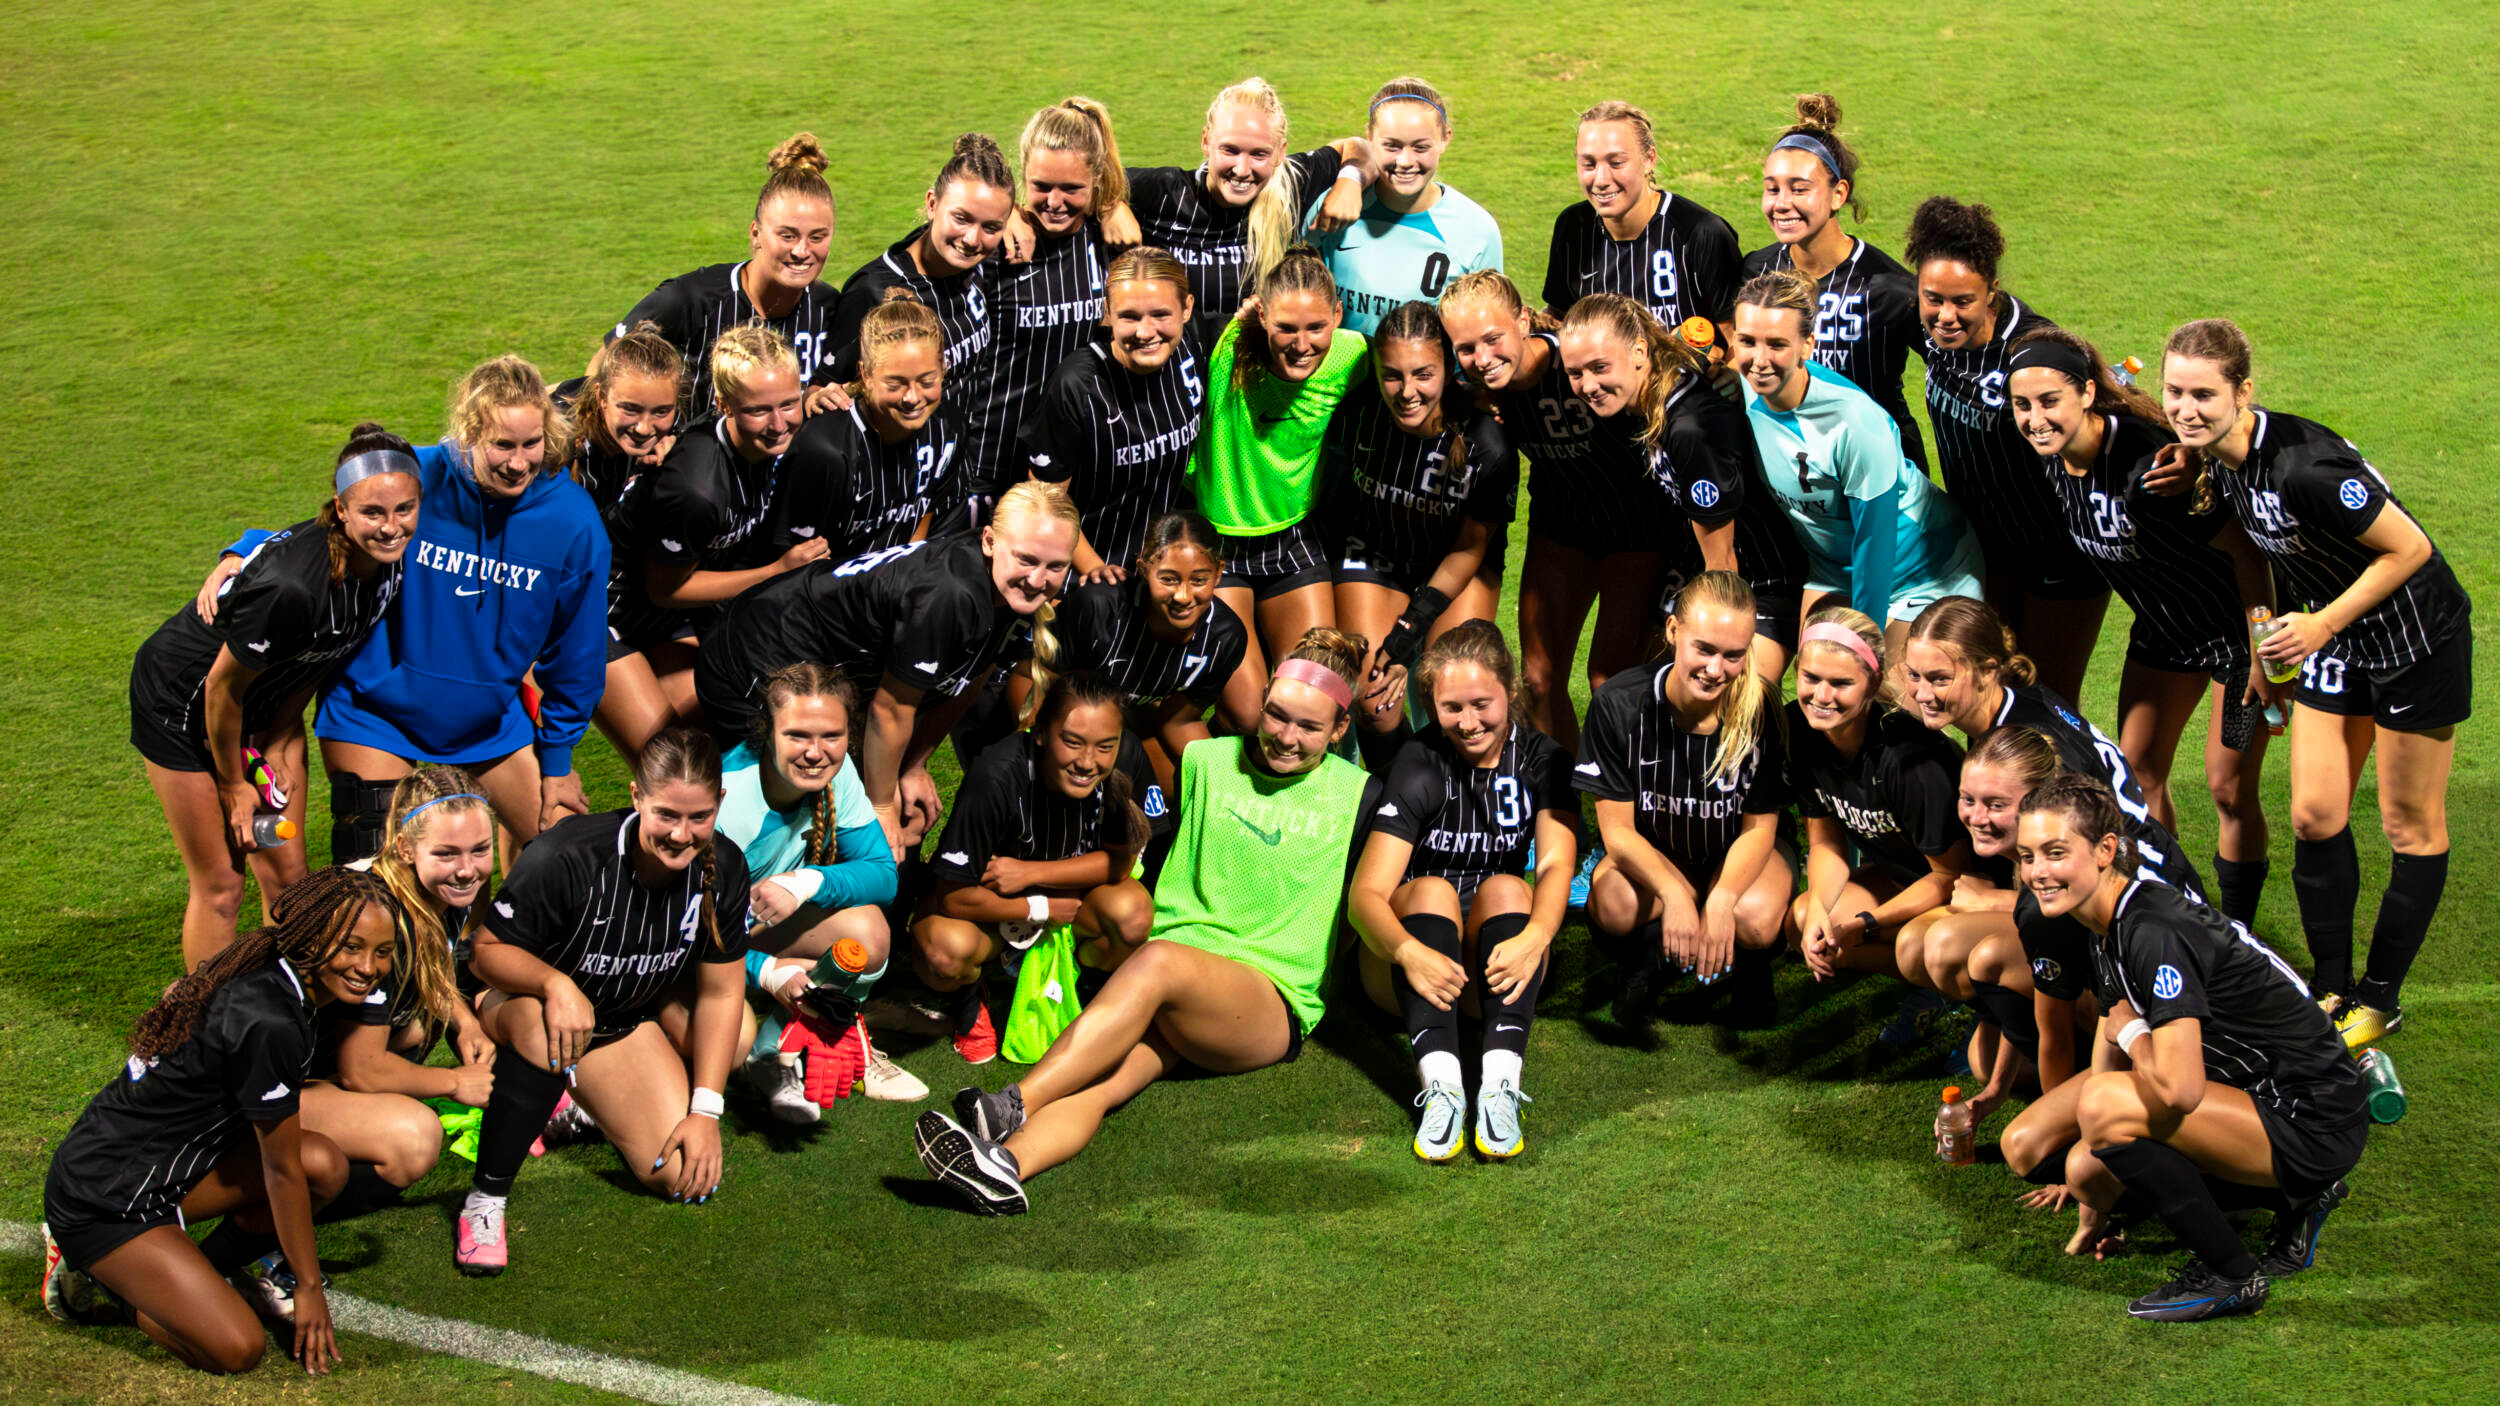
{"x":1441,"y":1067}
{"x":480,"y":1201}
{"x":1500,"y":1067}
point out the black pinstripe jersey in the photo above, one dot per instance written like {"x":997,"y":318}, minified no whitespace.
{"x":1394,"y":500}
{"x":860,"y":493}
{"x":1467,"y":821}
{"x":2305,"y":495}
{"x":706,"y":507}
{"x":1006,"y":810}
{"x":1119,"y":440}
{"x":1175,"y":212}
{"x":151,"y":1134}
{"x":573,"y":901}
{"x":1987,"y":465}
{"x":1584,"y":474}
{"x":602,"y":472}
{"x":2085,"y":748}
{"x":1896,"y":797}
{"x":1684,"y":262}
{"x":1633,"y":748}
{"x":1865,"y":327}
{"x":2156,"y":552}
{"x":1707,"y":463}
{"x":963,"y":304}
{"x":1044,"y":311}
{"x":1106,"y":629}
{"x":694,"y":309}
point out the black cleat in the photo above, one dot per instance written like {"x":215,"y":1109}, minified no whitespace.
{"x":2201,"y":1292}
{"x":993,"y":1117}
{"x":2296,"y":1233}
{"x":983,"y":1171}
{"x":1636,"y":1001}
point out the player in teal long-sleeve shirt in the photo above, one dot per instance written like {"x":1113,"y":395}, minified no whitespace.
{"x":1874,"y":529}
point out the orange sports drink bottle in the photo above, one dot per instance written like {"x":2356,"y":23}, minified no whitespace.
{"x":1956,"y":1133}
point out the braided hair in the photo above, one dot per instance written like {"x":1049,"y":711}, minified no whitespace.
{"x":307,"y":926}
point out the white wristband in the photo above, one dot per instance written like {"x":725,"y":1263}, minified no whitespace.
{"x":2135,"y":1030}
{"x":706,"y":1102}
{"x":1036,"y":908}
{"x":1349,"y":172}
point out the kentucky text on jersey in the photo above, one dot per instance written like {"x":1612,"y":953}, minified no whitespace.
{"x":471,"y":566}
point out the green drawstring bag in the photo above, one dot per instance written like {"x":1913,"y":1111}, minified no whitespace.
{"x":460,"y":1126}
{"x":1045,"y":1002}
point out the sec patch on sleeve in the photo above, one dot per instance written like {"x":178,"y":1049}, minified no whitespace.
{"x":2167,"y":983}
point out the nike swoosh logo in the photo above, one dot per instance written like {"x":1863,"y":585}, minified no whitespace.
{"x":1500,"y":1028}
{"x":1592,"y":273}
{"x":2399,"y":709}
{"x":1272,"y":837}
{"x":458,"y":591}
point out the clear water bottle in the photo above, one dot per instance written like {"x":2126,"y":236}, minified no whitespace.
{"x":270,"y":829}
{"x":1956,"y":1134}
{"x":2125,"y":372}
{"x":2384,"y":1091}
{"x":2262,"y":623}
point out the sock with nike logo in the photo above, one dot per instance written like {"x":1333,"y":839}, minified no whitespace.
{"x":2414,"y":885}
{"x":525,"y":1094}
{"x":1506,"y":1020}
{"x":1429,"y":1029}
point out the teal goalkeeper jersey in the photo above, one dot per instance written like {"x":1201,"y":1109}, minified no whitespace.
{"x":1384,"y":258}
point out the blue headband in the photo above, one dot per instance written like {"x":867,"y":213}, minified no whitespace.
{"x":1799,"y":141}
{"x":373,"y":463}
{"x":1408,"y":98}
{"x":438,"y":800}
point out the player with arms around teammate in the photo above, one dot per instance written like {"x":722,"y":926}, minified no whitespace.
{"x":1685,"y":759}
{"x":1632,"y":236}
{"x":1864,"y":309}
{"x":880,"y":471}
{"x":615,"y":946}
{"x":1246,"y":914}
{"x":235,"y":670}
{"x":2212,"y":1063}
{"x":1415,"y":234}
{"x":776,"y":283}
{"x":1442,"y":896}
{"x":1118,"y":418}
{"x":2385,"y":652}
{"x":165,"y":1144}
{"x":1423,"y":485}
{"x":1875,"y":532}
{"x":1232,"y":219}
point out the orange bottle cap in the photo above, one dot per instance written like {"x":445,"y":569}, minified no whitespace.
{"x":1697,"y":331}
{"x":1953,"y":1094}
{"x":851,"y":955}
{"x":286,"y":829}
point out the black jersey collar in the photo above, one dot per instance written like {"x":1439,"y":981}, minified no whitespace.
{"x":2119,"y":909}
{"x":2005,"y":709}
{"x":624,"y":830}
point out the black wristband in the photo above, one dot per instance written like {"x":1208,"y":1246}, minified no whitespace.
{"x":1874,"y":929}
{"x":1406,"y":638}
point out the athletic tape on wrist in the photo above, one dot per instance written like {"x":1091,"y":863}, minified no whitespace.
{"x":1036,"y":908}
{"x":2133,"y":1031}
{"x":706,"y":1102}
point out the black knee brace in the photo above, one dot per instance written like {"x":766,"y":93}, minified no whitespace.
{"x":358,"y":811}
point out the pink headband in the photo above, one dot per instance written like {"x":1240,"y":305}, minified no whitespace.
{"x":1318,"y":676}
{"x":1846,"y":638}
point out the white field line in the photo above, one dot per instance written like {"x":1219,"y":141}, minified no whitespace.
{"x":503,"y":1348}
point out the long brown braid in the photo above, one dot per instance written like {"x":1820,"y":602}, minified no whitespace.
{"x":308,"y":924}
{"x":683,"y":754}
{"x":784,"y":686}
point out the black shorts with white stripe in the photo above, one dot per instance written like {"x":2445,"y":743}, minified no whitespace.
{"x":2436,"y":690}
{"x":1277,"y":563}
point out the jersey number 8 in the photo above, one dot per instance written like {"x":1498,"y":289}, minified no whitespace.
{"x":1662,"y":275}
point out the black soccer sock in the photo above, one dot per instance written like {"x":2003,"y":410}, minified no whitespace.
{"x":2240,"y":884}
{"x":2233,"y":1196}
{"x":2050,"y":1170}
{"x":1378,"y":749}
{"x":1429,"y":1029}
{"x":2326,"y":877}
{"x":358,"y":811}
{"x":2008,"y":1011}
{"x":230,"y":1247}
{"x":2175,"y":1190}
{"x":2414,"y":884}
{"x":525,"y":1094}
{"x":967,"y":1006}
{"x":366,"y":1190}
{"x":1506,"y":1021}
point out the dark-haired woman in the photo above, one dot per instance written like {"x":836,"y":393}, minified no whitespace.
{"x":1422,"y":489}
{"x":1045,"y":832}
{"x":775,"y":284}
{"x":1442,"y":895}
{"x":1631,"y":236}
{"x":1119,"y":416}
{"x":2385,"y":652}
{"x":590,"y":942}
{"x":626,"y":410}
{"x":2051,"y":593}
{"x":1686,"y":763}
{"x":2189,"y":640}
{"x":820,"y":876}
{"x":1246,"y":915}
{"x":907,"y":624}
{"x":1865,"y":313}
{"x":302,"y":604}
{"x":164,"y":1145}
{"x":2212,"y":1064}
{"x":1652,"y":389}
{"x":1274,"y":381}
{"x":881,"y":470}
{"x":1415,"y":234}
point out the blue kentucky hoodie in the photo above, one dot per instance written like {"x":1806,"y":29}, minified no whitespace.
{"x":493,"y":588}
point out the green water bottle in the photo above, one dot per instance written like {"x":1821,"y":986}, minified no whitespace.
{"x":2384,"y":1091}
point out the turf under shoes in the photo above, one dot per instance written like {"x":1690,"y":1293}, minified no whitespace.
{"x":73,"y":1296}
{"x":991,"y":1116}
{"x":778,"y":1080}
{"x":478,"y":1245}
{"x":1498,"y":1134}
{"x":1444,"y":1127}
{"x":269,"y":1287}
{"x":982,"y":1171}
{"x":2296,"y":1231}
{"x":2201,"y":1292}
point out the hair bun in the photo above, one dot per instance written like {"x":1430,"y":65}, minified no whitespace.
{"x":1818,"y":110}
{"x":800,"y":153}
{"x":976,"y":144}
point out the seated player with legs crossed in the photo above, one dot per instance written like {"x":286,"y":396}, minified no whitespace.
{"x":820,"y":876}
{"x":618,"y":968}
{"x":2213,"y":1066}
{"x":205,"y":1122}
{"x":1442,"y":897}
{"x":1685,"y":759}
{"x":1046,"y":832}
{"x":1246,"y":915}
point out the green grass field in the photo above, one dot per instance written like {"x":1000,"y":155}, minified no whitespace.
{"x":235,"y":230}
